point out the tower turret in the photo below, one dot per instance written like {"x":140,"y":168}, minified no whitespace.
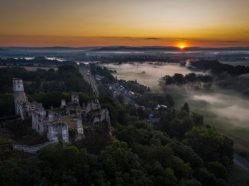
{"x":18,"y":85}
{"x":75,"y":98}
{"x":20,"y":98}
{"x":63,"y":103}
{"x":80,"y":129}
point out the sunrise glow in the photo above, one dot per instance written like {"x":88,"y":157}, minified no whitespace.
{"x":130,"y":23}
{"x":182,"y":46}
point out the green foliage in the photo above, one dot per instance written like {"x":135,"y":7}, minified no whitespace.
{"x":134,"y":86}
{"x":177,"y":150}
{"x":22,"y":132}
{"x":217,"y":169}
{"x":102,"y":71}
{"x":53,"y":99}
{"x":140,"y":155}
{"x":239,"y":176}
{"x":6,"y":105}
{"x":210,"y":145}
{"x":180,"y":79}
{"x":151,"y":100}
{"x":197,"y":119}
{"x":67,"y":78}
{"x":177,"y":123}
{"x":121,"y":165}
{"x":20,"y":174}
{"x":47,"y":87}
{"x":182,"y":170}
{"x":219,"y":68}
{"x":190,"y":182}
{"x":185,"y":107}
{"x":187,"y":154}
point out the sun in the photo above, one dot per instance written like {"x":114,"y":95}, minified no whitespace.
{"x":181,"y":46}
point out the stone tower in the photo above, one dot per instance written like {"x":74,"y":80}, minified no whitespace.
{"x":63,"y":103}
{"x":75,"y":98}
{"x":80,"y":129}
{"x":20,"y":98}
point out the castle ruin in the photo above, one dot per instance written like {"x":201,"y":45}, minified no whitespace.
{"x":56,"y":123}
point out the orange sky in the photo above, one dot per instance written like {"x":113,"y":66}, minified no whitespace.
{"x":79,"y":23}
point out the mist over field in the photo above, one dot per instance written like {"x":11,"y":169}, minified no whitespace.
{"x":226,"y":110}
{"x":232,"y":108}
{"x":147,"y":74}
{"x":223,"y":109}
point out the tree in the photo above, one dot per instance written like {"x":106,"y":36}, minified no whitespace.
{"x":178,"y":78}
{"x":185,"y":107}
{"x":191,"y":77}
{"x":217,"y":169}
{"x":190,"y":182}
{"x":187,"y":154}
{"x":117,"y":158}
{"x":210,"y":145}
{"x":181,"y":169}
{"x":197,"y":119}
{"x":168,"y":80}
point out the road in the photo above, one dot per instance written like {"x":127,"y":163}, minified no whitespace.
{"x":89,"y":78}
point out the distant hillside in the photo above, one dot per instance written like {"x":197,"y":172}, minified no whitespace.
{"x":128,"y":48}
{"x":124,"y":48}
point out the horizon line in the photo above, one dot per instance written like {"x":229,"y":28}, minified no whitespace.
{"x":124,"y":46}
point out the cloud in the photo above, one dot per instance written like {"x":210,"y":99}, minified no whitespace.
{"x":152,"y":38}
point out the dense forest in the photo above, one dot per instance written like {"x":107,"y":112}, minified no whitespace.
{"x":226,"y":76}
{"x":36,"y":61}
{"x":46,"y":86}
{"x":177,"y":149}
{"x":179,"y":79}
{"x":218,"y":68}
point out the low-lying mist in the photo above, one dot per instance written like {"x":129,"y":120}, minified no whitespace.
{"x":225,"y":109}
{"x":228,"y":106}
{"x":147,"y":74}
